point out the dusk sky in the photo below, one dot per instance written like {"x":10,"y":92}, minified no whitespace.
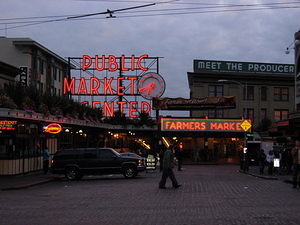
{"x":179,"y":31}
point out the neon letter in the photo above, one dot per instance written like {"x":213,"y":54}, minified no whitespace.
{"x":123,"y":68}
{"x":82,"y":86}
{"x":119,"y":86}
{"x":107,"y":85}
{"x":69,"y":86}
{"x":132,"y":89}
{"x":108,"y":107}
{"x":112,"y":64}
{"x":86,"y":62}
{"x":121,"y":104}
{"x":132,"y":109}
{"x":97,"y":62}
{"x":139,"y":62}
{"x":145,"y":107}
{"x":94,"y":89}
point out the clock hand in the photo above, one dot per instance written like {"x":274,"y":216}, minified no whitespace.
{"x":151,"y":87}
{"x":145,"y":88}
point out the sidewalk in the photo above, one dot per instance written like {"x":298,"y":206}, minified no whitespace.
{"x":27,"y":180}
{"x":254,"y":171}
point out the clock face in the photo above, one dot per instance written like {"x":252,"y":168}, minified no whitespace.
{"x":151,"y":85}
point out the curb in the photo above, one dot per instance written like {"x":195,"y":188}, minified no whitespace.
{"x":259,"y":176}
{"x":23,"y":186}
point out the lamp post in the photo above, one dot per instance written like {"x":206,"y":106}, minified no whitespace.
{"x":244,"y":166}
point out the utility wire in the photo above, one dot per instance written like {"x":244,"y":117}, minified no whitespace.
{"x":228,"y":8}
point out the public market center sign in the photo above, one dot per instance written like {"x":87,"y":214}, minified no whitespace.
{"x":248,"y":67}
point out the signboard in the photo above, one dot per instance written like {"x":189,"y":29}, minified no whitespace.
{"x":249,"y":67}
{"x":204,"y":125}
{"x":98,"y":77}
{"x":53,"y":128}
{"x":8,"y":124}
{"x":246,"y":125}
{"x":221,"y":102}
{"x":24,"y":75}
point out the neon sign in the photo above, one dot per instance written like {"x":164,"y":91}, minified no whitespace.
{"x":8,"y":124}
{"x":185,"y":124}
{"x":53,"y":128}
{"x":149,"y":85}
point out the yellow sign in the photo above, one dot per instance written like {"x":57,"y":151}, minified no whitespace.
{"x":246,"y":125}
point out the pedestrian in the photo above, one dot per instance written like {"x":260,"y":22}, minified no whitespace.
{"x":161,"y":158}
{"x":296,"y":163}
{"x":179,"y":156}
{"x":270,"y":161}
{"x":168,"y":164}
{"x":262,"y":161}
{"x":46,"y":156}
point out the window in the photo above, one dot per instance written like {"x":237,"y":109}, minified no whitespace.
{"x":280,"y":114}
{"x":249,"y":93}
{"x":215,"y":113}
{"x":215,"y":90}
{"x":249,"y":113}
{"x":281,"y":94}
{"x":263,"y":114}
{"x":54,"y":72}
{"x":106,"y":153}
{"x":263,"y":94}
{"x":41,"y":66}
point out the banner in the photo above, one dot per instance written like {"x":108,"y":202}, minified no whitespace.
{"x":221,"y":102}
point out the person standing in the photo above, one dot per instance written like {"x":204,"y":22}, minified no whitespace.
{"x":168,"y":164}
{"x":46,"y":157}
{"x":179,"y":156}
{"x":270,"y":160}
{"x":262,"y":161}
{"x":296,"y":163}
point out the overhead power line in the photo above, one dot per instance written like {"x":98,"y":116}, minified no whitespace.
{"x":208,"y":8}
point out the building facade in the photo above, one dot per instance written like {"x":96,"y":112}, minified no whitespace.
{"x":263,"y":91}
{"x":40,"y":67}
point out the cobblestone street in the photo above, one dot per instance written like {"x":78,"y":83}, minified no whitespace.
{"x":211,"y":194}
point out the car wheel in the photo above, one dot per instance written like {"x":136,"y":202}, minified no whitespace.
{"x":130,"y":172}
{"x":72,"y":173}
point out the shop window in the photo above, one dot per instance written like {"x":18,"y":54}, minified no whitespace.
{"x":281,"y":94}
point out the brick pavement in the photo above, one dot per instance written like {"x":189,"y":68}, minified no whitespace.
{"x":210,"y":195}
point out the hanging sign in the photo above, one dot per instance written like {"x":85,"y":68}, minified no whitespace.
{"x":8,"y":124}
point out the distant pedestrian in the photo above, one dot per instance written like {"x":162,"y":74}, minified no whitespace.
{"x":46,"y":157}
{"x":270,"y":161}
{"x":296,"y":163}
{"x":262,"y":161}
{"x":161,"y":158}
{"x":168,"y":164}
{"x":179,"y":156}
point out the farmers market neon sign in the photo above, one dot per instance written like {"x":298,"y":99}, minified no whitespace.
{"x":110,"y":86}
{"x":193,"y":124}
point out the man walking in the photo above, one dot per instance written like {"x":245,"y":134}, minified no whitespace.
{"x":168,"y":164}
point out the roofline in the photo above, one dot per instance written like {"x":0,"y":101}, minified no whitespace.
{"x":30,"y":42}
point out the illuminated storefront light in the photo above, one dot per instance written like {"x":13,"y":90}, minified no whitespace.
{"x":53,"y":128}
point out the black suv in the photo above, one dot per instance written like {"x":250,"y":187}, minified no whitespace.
{"x":75,"y":163}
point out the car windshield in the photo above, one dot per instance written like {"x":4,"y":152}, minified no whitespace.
{"x":114,"y":151}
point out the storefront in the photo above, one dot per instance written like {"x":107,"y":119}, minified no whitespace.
{"x":207,"y":140}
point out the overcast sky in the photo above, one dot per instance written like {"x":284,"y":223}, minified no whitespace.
{"x":192,"y":33}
